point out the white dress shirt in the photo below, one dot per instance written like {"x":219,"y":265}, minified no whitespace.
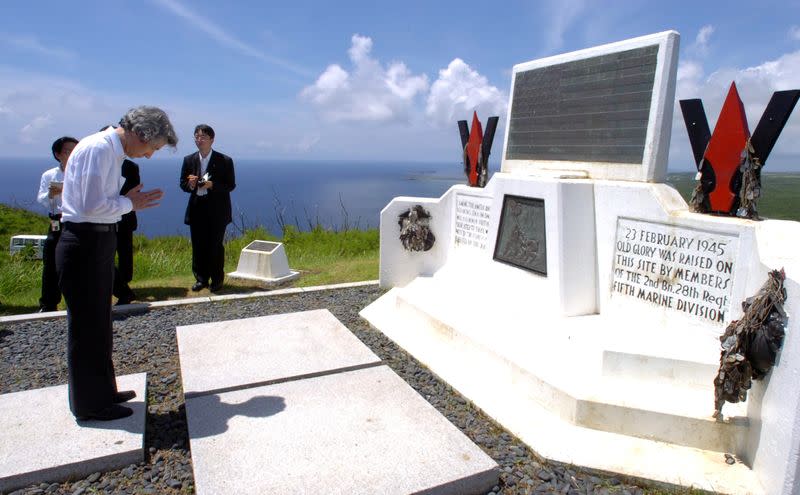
{"x":203,"y":169}
{"x":53,"y":205}
{"x":92,"y":179}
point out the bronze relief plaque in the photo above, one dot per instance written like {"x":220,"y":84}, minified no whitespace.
{"x":521,"y":239}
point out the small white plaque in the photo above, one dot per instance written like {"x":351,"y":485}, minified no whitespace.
{"x":471,"y":226}
{"x":686,"y":270}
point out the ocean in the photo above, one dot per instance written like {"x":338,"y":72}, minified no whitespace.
{"x":303,"y":192}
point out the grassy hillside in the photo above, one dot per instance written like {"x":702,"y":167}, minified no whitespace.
{"x":20,"y":278}
{"x":162,"y":266}
{"x":15,"y":221}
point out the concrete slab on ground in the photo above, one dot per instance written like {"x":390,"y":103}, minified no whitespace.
{"x":40,"y":441}
{"x":356,"y":432}
{"x":226,"y":355}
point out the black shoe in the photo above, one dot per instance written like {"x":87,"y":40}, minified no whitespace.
{"x":198,"y":286}
{"x":216,"y":287}
{"x":46,"y":309}
{"x":110,"y":413}
{"x":127,"y":297}
{"x":123,"y":396}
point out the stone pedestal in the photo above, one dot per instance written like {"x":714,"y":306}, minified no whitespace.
{"x":265,"y":262}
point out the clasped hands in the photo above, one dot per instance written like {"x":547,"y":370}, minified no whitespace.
{"x":144,"y":199}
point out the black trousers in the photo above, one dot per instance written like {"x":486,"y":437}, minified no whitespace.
{"x":208,"y":251}
{"x":123,"y":273}
{"x":51,"y":294}
{"x":85,"y":261}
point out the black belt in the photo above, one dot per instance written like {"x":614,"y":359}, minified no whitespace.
{"x":90,"y":227}
{"x":54,"y":216}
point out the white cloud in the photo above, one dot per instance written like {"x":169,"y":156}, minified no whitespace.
{"x":561,"y":15}
{"x":691,"y":73}
{"x":369,"y":92}
{"x":32,"y":103}
{"x":794,"y":33}
{"x":332,"y":82}
{"x":700,"y":45}
{"x":458,"y":91}
{"x":359,"y":49}
{"x":691,"y":77}
{"x":31,"y":44}
{"x":224,"y":38}
{"x":755,"y":86}
{"x":30,"y":131}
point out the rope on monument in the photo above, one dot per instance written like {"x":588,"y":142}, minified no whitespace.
{"x":751,"y":344}
{"x":750,"y":190}
{"x":698,"y":202}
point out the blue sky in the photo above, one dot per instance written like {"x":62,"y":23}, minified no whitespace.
{"x":350,"y":80}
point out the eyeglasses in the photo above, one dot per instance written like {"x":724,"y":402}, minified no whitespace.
{"x":201,"y":137}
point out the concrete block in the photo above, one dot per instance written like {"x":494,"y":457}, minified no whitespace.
{"x":265,"y":262}
{"x":41,"y":442}
{"x":356,"y":432}
{"x":257,"y":351}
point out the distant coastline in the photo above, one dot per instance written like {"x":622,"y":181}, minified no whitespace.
{"x":327,"y":191}
{"x":303,"y":191}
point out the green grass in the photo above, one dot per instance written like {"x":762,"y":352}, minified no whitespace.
{"x":20,"y":278}
{"x":162,"y":266}
{"x":780,"y":194}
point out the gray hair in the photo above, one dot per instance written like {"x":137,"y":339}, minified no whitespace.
{"x":150,"y":124}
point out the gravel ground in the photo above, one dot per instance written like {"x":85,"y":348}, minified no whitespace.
{"x":32,"y":355}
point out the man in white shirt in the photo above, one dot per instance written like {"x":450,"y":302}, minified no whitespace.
{"x":92,"y":206}
{"x":49,"y":196}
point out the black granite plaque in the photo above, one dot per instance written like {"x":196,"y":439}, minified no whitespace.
{"x":521,"y":234}
{"x":590,"y":110}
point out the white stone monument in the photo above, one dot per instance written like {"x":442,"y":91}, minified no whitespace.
{"x":264,"y":262}
{"x":579,"y":302}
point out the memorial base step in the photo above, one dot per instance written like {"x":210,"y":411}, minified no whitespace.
{"x":568,"y":410}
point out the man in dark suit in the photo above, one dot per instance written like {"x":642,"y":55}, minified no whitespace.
{"x":209,"y":178}
{"x":123,"y":273}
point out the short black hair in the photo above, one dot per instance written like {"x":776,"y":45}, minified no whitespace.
{"x":205,"y":129}
{"x":58,"y":144}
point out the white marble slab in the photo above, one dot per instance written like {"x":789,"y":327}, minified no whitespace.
{"x":356,"y":432}
{"x":258,"y":351}
{"x":40,"y":441}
